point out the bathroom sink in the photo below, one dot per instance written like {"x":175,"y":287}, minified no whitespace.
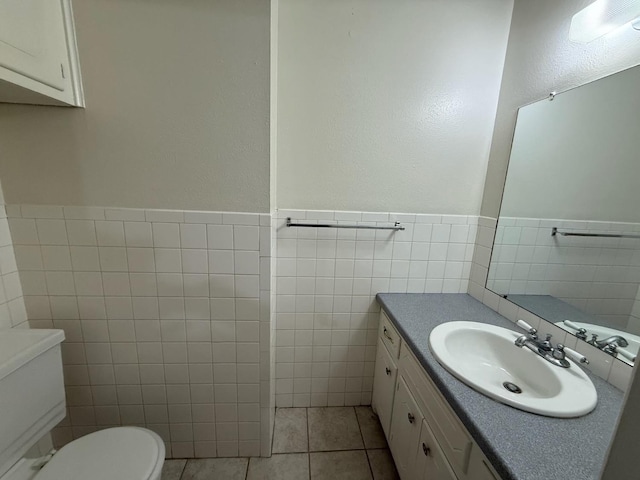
{"x":486,"y":358}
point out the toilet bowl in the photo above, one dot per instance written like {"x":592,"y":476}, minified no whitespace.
{"x":32,"y":391}
{"x":122,"y":453}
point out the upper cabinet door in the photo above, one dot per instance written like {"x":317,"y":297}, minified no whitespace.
{"x":32,"y":40}
{"x":38,"y":59}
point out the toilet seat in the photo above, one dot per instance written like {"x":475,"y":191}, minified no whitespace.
{"x":123,"y":453}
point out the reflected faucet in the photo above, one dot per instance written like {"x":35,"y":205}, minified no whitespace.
{"x":609,"y":345}
{"x":617,"y":340}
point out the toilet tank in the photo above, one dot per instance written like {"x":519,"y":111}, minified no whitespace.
{"x":32,"y":398}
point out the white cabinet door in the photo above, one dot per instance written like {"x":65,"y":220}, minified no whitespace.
{"x":384,"y":383}
{"x":431,"y":463}
{"x":33,"y":40}
{"x":406,"y":422}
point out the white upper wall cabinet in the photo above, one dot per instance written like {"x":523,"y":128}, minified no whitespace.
{"x":38,"y":54}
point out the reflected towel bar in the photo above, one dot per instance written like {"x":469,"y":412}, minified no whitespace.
{"x":555,"y":231}
{"x":396,"y":226}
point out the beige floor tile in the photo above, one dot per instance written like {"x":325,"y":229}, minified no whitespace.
{"x":351,"y":465}
{"x":216,"y":469}
{"x":382,"y":465}
{"x":290,"y":431}
{"x":290,"y":466}
{"x":172,"y":469}
{"x":334,"y":428}
{"x":371,"y":429}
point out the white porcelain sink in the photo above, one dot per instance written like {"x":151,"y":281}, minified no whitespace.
{"x":486,"y":358}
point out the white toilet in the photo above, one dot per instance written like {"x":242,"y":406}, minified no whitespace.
{"x":32,"y":402}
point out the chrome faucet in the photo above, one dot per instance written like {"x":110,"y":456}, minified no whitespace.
{"x":544,"y":348}
{"x":616,"y":340}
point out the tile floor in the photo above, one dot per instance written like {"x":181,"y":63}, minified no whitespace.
{"x":332,"y":443}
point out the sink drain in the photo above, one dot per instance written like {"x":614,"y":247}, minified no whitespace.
{"x":512,"y":387}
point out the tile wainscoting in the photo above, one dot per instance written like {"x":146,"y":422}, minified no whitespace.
{"x":606,"y":367}
{"x":326,"y":282}
{"x":166,"y":316}
{"x":12,"y":310}
{"x":195,"y":324}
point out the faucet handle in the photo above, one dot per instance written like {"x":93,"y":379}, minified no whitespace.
{"x":575,"y":356}
{"x":558,"y":352}
{"x":570,"y":324}
{"x":525,"y":326}
{"x":626,"y":354}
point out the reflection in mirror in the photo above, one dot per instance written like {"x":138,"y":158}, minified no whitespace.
{"x":567,"y":246}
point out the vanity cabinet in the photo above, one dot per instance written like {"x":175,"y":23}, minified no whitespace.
{"x":38,"y":54}
{"x":426,"y":438}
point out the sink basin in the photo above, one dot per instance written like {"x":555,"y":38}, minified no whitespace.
{"x":485,"y":358}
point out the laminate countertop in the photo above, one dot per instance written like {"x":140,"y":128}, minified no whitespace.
{"x":520,"y":445}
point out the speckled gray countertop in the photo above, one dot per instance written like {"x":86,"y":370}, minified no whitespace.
{"x":520,"y":445}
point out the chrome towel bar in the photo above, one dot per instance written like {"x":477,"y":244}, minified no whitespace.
{"x":396,"y":226}
{"x":555,"y":231}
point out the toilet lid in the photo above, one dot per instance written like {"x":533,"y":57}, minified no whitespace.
{"x":123,"y":453}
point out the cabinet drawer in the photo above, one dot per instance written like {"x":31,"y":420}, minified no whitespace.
{"x":447,"y":428}
{"x":384,"y":384}
{"x":389,"y":335}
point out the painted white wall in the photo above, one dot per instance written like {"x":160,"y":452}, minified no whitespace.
{"x":177,"y":113}
{"x":387,"y":106}
{"x":541,"y":59}
{"x":576,"y":157}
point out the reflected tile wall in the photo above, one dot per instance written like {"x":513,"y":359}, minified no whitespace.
{"x":597,"y":275}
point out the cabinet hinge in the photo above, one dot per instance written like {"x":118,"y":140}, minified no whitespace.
{"x":62,"y":70}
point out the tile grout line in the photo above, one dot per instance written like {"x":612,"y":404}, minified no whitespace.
{"x":273,"y":432}
{"x":184,"y":467}
{"x":306,"y":413}
{"x":366,"y":453}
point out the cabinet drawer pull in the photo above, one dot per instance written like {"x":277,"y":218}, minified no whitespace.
{"x":426,"y":450}
{"x":388,"y":370}
{"x":386,"y":334}
{"x":411,"y":417}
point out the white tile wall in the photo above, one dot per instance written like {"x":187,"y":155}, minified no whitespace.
{"x":326,"y":283}
{"x":164,"y":314}
{"x":12,"y":309}
{"x":614,"y":371}
{"x":634,"y":320}
{"x":597,"y":275}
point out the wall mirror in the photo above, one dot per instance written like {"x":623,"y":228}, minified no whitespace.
{"x":567,"y":244}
